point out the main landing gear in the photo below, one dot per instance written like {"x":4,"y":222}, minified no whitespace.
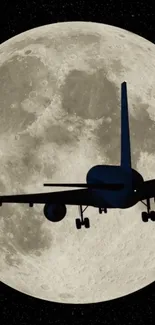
{"x":82,"y":222}
{"x":149,"y":214}
{"x":85,"y":222}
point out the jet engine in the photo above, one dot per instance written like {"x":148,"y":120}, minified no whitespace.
{"x":55,"y":212}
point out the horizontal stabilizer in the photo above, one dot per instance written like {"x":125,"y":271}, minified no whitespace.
{"x":93,"y":186}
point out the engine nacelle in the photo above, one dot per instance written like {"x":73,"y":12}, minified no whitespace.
{"x":55,"y":212}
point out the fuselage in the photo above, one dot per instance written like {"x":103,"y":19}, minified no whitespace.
{"x":123,"y":198}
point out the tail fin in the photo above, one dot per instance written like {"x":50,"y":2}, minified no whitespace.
{"x":125,"y":132}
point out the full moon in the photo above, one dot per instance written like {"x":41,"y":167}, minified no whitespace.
{"x":59,"y":116}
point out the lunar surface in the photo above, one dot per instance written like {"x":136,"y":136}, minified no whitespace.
{"x":59,"y":116}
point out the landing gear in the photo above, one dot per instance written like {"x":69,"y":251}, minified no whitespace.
{"x":149,"y":214}
{"x":86,"y":223}
{"x":145,"y":216}
{"x":152,"y":215}
{"x":83,"y":222}
{"x":101,"y":210}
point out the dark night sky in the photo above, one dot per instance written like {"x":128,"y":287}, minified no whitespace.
{"x":17,"y":17}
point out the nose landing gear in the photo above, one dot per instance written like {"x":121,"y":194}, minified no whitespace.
{"x":149,"y":214}
{"x":102,"y":209}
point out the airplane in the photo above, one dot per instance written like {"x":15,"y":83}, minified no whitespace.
{"x":107,"y":186}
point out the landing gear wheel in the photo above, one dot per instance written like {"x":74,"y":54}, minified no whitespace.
{"x":86,"y":223}
{"x":145,"y":216}
{"x":102,"y":209}
{"x":78,"y":223}
{"x":152,"y":215}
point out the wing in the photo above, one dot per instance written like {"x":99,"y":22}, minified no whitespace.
{"x":102,"y":186}
{"x":72,"y":197}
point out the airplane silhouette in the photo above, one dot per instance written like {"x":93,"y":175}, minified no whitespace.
{"x":106,"y":187}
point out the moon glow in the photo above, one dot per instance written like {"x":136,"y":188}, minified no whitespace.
{"x":59,"y":116}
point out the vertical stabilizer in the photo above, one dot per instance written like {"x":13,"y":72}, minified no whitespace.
{"x":125,"y":132}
